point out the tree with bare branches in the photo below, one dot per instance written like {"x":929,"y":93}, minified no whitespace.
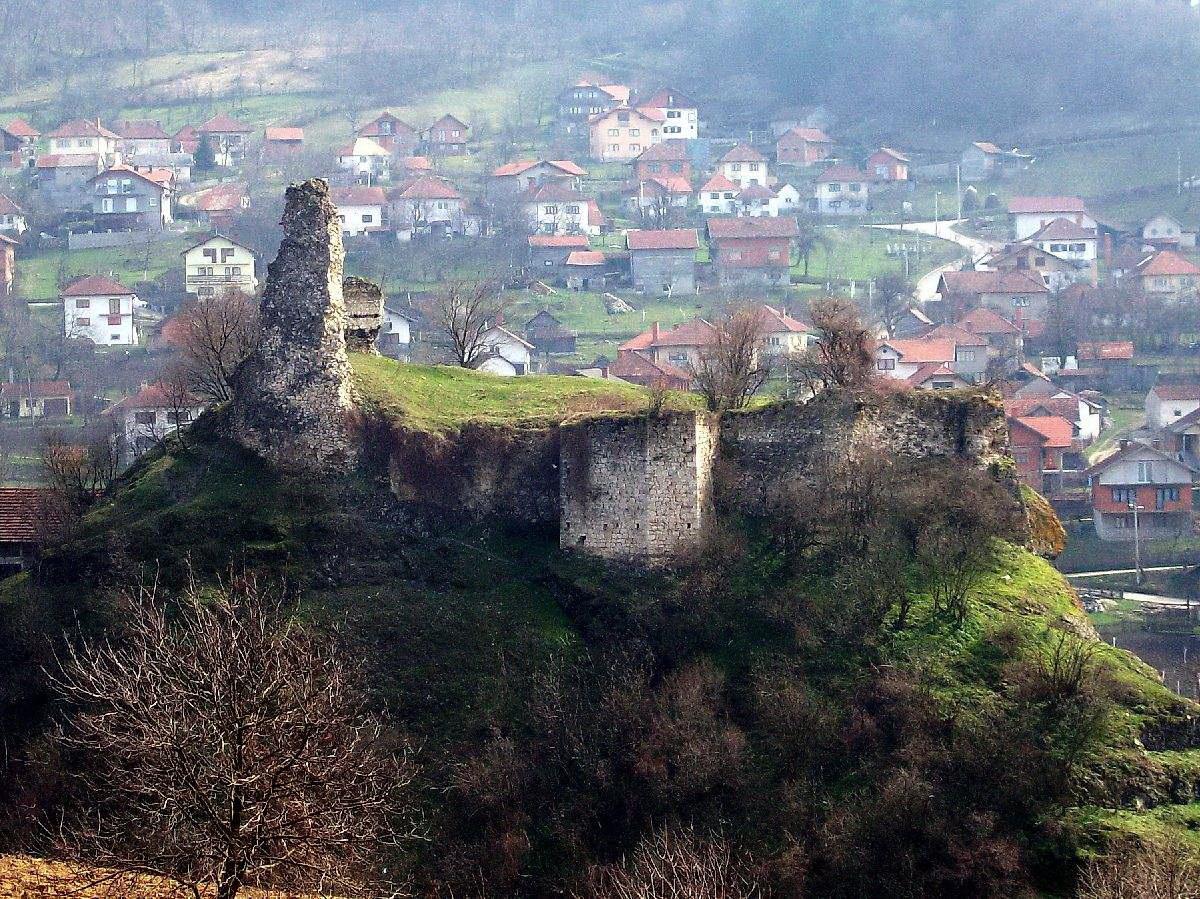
{"x":77,"y":471}
{"x":465,"y":312}
{"x":224,"y":746}
{"x":214,"y":335}
{"x":733,"y":367}
{"x":842,"y":356}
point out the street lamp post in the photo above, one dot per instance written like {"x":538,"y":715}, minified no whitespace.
{"x":1137,"y":543}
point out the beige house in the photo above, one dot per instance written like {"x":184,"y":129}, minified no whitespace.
{"x":217,"y":263}
{"x":623,"y":133}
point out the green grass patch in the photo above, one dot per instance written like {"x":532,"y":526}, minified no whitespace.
{"x":38,"y":276}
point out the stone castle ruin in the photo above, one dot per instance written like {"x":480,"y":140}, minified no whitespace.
{"x":635,"y":488}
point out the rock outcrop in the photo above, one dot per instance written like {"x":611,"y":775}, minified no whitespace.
{"x":292,"y":398}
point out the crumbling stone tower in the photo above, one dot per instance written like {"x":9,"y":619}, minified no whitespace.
{"x":292,"y":398}
{"x":364,"y":314}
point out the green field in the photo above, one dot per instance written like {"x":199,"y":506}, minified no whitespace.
{"x":39,"y":276}
{"x":861,"y":254}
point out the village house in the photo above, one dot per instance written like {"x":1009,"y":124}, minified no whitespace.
{"x":426,"y":206}
{"x":580,"y":103}
{"x":668,"y":159}
{"x":1056,"y":272}
{"x":622,"y":133}
{"x":745,"y":167}
{"x":801,"y":146}
{"x":663,"y":262}
{"x":392,"y":133}
{"x":659,"y":198}
{"x":405,"y":168}
{"x":888,"y":165}
{"x":936,"y":376}
{"x":637,"y":369}
{"x":548,"y":255}
{"x":1181,"y":439}
{"x":447,"y":137}
{"x":781,"y":333}
{"x":142,"y":138}
{"x":586,"y":270}
{"x":1018,"y":296}
{"x":554,"y":208}
{"x":1029,"y":215}
{"x":718,"y":196}
{"x":185,"y":140}
{"x":360,"y":209}
{"x":216,"y":264}
{"x":1113,"y":359}
{"x":679,"y":346}
{"x":786,"y":118}
{"x":1167,"y":403}
{"x":18,"y":142}
{"x":512,"y":178}
{"x":680,"y":116}
{"x":1137,"y":475}
{"x":503,"y":353}
{"x":1004,"y":339}
{"x":1039,"y":445}
{"x":1067,"y":240}
{"x":842,"y":190}
{"x":36,"y":399}
{"x":80,"y":137}
{"x":8,"y":264}
{"x":29,"y":517}
{"x":228,"y":137}
{"x":548,"y":335}
{"x":99,"y":309}
{"x":282,"y":142}
{"x":365,"y":160}
{"x":1165,"y":232}
{"x":12,"y":218}
{"x":752,"y":250}
{"x":151,"y":415}
{"x":918,"y":361}
{"x":984,"y":161}
{"x":64,"y":179}
{"x":1168,"y":273}
{"x":756,"y":201}
{"x":216,"y":207}
{"x":1047,"y":399}
{"x":396,"y":332}
{"x":124,"y":199}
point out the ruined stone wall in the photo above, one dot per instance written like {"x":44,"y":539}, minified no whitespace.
{"x":364,"y":314}
{"x":637,"y":488}
{"x":292,"y":398}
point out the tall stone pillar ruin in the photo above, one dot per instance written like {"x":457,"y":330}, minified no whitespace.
{"x":292,"y":397}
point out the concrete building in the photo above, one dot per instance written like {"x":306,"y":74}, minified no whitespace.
{"x":216,"y":264}
{"x":99,"y":309}
{"x":1139,"y":475}
{"x":663,"y":262}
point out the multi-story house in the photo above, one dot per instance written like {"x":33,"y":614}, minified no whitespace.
{"x":447,"y":137}
{"x":663,"y":262}
{"x":142,"y":138}
{"x":511,"y":178}
{"x":392,"y":133}
{"x":887,"y":165}
{"x":99,"y":309}
{"x":578,"y":104}
{"x":64,"y":179}
{"x":622,"y":133}
{"x":801,"y":146}
{"x":745,"y":167}
{"x":680,"y":116}
{"x":1020,"y":297}
{"x":558,"y":209}
{"x":1040,"y":445}
{"x":679,"y":346}
{"x":1143,"y":481}
{"x":230,"y":139}
{"x":752,"y":250}
{"x":718,"y":196}
{"x":1029,"y":215}
{"x":124,"y":199}
{"x":12,"y":218}
{"x":365,"y":160}
{"x":1167,"y":273}
{"x":842,"y":190}
{"x":426,"y":206}
{"x":151,"y":415}
{"x":83,"y":137}
{"x":360,"y":209}
{"x":667,"y":159}
{"x":216,"y":264}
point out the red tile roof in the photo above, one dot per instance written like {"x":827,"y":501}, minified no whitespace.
{"x":96,"y":286}
{"x":160,"y":178}
{"x":756,"y":192}
{"x":1055,"y":430}
{"x":918,"y":349}
{"x":430,"y":188}
{"x":841,"y":173}
{"x":141,"y":130}
{"x":960,"y":336}
{"x":371,"y":129}
{"x":358,"y":196}
{"x":694,"y":332}
{"x":894,"y":154}
{"x":1176,"y":391}
{"x":551,"y":192}
{"x":719,"y":182}
{"x":1063,"y":406}
{"x":668,"y":98}
{"x":222,"y":123}
{"x":633,"y":366}
{"x":801,"y":135}
{"x":983,"y":320}
{"x":8,"y":207}
{"x":81,"y":128}
{"x":24,"y":512}
{"x":668,"y":184}
{"x":68,"y":161}
{"x":927,"y":371}
{"x":155,"y":396}
{"x":777,"y":320}
{"x":674,"y":239}
{"x":1063,"y":229}
{"x":1130,"y":449}
{"x":1036,"y":205}
{"x":1106,"y":350}
{"x":21,"y":128}
{"x":415,"y":163}
{"x":748,"y":228}
{"x":284,"y":133}
{"x":558,"y":241}
{"x":667,"y":151}
{"x":1166,"y":263}
{"x":39,"y":389}
{"x":1011,"y":281}
{"x":586,"y":257}
{"x":222,"y":198}
{"x":742,"y":153}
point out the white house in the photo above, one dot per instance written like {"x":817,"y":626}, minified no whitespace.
{"x":901,"y":358}
{"x":1165,"y":231}
{"x":216,"y":263}
{"x":1030,"y":215}
{"x":360,"y":209}
{"x":783,"y":334}
{"x":680,"y":116}
{"x":12,"y":218}
{"x":746,"y":167}
{"x":553,"y":208}
{"x":787,"y":200}
{"x":504,"y":353}
{"x":1167,"y":403}
{"x":395,"y":332}
{"x":718,"y":196}
{"x":81,"y":136}
{"x":99,"y":309}
{"x":1066,"y":240}
{"x":152,"y":414}
{"x":366,"y":160}
{"x":842,"y":190}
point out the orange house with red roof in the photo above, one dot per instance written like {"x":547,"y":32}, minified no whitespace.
{"x":1168,"y":272}
{"x":1038,"y":446}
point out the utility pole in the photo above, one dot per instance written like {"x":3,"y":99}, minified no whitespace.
{"x":936,"y":222}
{"x":1137,"y":542}
{"x":958,"y":189}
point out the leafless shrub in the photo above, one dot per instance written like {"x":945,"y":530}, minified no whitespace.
{"x":214,"y":336}
{"x":227,"y":748}
{"x":1133,"y":870}
{"x":732,"y":368}
{"x":464,"y":312}
{"x":78,"y":472}
{"x":842,"y":357}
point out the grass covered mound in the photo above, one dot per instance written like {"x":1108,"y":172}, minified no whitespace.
{"x":568,"y":710}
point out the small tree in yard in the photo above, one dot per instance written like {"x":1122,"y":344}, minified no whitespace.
{"x":732,"y":367}
{"x":205,"y":157}
{"x":842,"y":356}
{"x":78,"y":472}
{"x":223,"y":747}
{"x":214,"y":336}
{"x":465,"y":312}
{"x":892,"y":297}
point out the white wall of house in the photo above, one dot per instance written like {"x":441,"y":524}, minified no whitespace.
{"x":358,"y":220}
{"x":889,"y":364}
{"x":104,"y":320}
{"x":76,"y":145}
{"x":498,"y":342}
{"x":1144,"y":467}
{"x":1075,"y":250}
{"x":561,"y":218}
{"x":714,"y":202}
{"x":1160,"y":412}
{"x":843,"y":197}
{"x":747,"y":174}
{"x":1027,"y":224}
{"x":211,"y":267}
{"x":145,"y":428}
{"x":13,"y":224}
{"x":680,"y":123}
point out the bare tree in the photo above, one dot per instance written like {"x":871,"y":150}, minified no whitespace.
{"x":842,"y":356}
{"x":891,"y":299}
{"x":675,"y":863}
{"x":1133,"y":869}
{"x":79,"y":472}
{"x":214,"y":336}
{"x":732,"y":368}
{"x":225,"y":746}
{"x":464,"y":312}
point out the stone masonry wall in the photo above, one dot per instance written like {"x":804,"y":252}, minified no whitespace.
{"x":637,"y":488}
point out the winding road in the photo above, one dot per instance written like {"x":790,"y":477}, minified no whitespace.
{"x":927,"y":284}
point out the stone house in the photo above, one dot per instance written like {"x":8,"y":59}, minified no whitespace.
{"x":663,"y":262}
{"x":622,"y":133}
{"x":586,"y":270}
{"x":217,"y":263}
{"x":124,"y":199}
{"x":1139,"y":475}
{"x":752,"y":250}
{"x":447,"y":137}
{"x":36,"y":399}
{"x":801,"y":146}
{"x":99,"y":309}
{"x":392,"y":133}
{"x":548,"y":255}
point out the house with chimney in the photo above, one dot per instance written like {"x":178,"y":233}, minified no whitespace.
{"x":1004,"y":339}
{"x":663,"y":262}
{"x":447,"y":137}
{"x":842,"y":190}
{"x":142,"y":137}
{"x":802,"y":146}
{"x":1018,"y":296}
{"x":752,"y":250}
{"x":512,"y":178}
{"x":679,"y":346}
{"x":392,"y":133}
{"x":920,"y":361}
{"x":1056,"y":272}
{"x":745,"y":167}
{"x":782,"y":334}
{"x":886,"y":165}
{"x":584,"y":100}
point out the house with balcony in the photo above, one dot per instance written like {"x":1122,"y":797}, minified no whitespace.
{"x":140,"y":138}
{"x":125,"y":199}
{"x":217,"y":264}
{"x":426,"y":206}
{"x":1039,"y":448}
{"x":582,"y":101}
{"x":1142,"y":480}
{"x":99,"y":309}
{"x":1029,"y":215}
{"x":623,"y":133}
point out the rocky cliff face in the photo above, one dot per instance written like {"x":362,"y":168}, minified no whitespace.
{"x":292,"y":398}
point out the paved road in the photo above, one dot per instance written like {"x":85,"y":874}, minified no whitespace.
{"x":1075,"y":574}
{"x":927,"y":284}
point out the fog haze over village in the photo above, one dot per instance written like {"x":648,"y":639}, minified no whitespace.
{"x":608,"y":448}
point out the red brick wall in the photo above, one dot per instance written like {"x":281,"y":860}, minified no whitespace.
{"x":755,"y":252}
{"x":1102,"y":500}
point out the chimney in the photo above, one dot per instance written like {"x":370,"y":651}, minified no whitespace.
{"x":654,"y":331}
